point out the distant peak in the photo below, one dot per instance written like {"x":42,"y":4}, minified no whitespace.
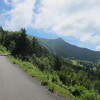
{"x":60,"y":39}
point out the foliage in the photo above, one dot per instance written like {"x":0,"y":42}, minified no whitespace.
{"x":3,"y":49}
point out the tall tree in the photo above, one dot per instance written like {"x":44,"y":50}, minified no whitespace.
{"x":22,"y":44}
{"x":58,"y":63}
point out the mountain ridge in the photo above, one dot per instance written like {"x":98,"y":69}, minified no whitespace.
{"x":62,"y":48}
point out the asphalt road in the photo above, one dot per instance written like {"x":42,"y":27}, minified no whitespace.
{"x":15,"y":84}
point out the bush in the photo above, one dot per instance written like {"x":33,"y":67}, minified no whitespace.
{"x":77,"y":90}
{"x":89,"y":96}
{"x":2,"y":49}
{"x":51,"y":88}
{"x":44,"y":83}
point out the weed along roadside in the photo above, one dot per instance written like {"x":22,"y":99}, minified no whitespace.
{"x":42,"y":77}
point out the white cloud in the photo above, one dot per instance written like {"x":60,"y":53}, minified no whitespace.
{"x":20,"y":15}
{"x":98,"y":48}
{"x":80,"y":19}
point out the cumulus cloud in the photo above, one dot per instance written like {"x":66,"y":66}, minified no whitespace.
{"x":20,"y":15}
{"x":98,"y":48}
{"x":80,"y":19}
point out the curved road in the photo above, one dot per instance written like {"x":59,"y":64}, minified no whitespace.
{"x":15,"y":84}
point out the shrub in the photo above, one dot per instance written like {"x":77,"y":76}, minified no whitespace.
{"x":89,"y":96}
{"x":44,"y":83}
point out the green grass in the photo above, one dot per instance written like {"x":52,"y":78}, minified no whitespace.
{"x":42,"y":76}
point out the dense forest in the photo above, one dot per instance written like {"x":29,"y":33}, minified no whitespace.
{"x":79,"y":78}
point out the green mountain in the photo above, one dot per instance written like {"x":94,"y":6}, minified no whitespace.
{"x":64,"y":49}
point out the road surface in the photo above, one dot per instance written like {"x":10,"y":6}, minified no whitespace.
{"x":15,"y":84}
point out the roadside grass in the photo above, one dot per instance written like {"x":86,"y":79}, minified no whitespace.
{"x":32,"y":70}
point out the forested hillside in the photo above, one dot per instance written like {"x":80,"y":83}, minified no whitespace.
{"x":64,"y":49}
{"x":78,"y":79}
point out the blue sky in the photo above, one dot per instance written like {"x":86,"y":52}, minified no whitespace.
{"x":76,"y":22}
